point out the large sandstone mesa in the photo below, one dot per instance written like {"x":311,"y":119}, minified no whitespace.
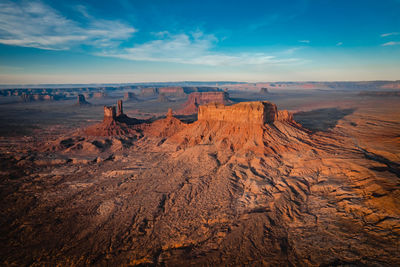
{"x":246,"y":112}
{"x":243,"y":126}
{"x":201,"y":98}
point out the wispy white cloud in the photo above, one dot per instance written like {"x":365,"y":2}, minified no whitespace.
{"x":339,"y":44}
{"x":194,"y":48}
{"x":389,"y":34}
{"x":304,"y":41}
{"x":391,"y":43}
{"x":35,"y":24}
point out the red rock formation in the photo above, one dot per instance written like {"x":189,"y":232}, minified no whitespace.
{"x":99,"y":95}
{"x":82,"y":101}
{"x":120,"y":110}
{"x":165,"y":127}
{"x":169,"y":113}
{"x":48,"y":97}
{"x":115,"y":123}
{"x":109,"y":113}
{"x":284,"y":115}
{"x":130,"y":96}
{"x":243,"y":126}
{"x":245,"y":112}
{"x":201,"y":98}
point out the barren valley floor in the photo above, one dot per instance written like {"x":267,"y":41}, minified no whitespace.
{"x":321,"y":191}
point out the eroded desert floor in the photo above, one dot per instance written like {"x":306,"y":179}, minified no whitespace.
{"x":322,"y":190}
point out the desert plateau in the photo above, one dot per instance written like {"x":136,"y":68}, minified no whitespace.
{"x":200,"y":133}
{"x":273,"y":179}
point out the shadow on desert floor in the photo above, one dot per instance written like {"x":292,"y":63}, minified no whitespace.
{"x":322,"y":119}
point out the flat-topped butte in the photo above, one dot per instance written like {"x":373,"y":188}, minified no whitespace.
{"x":259,"y":112}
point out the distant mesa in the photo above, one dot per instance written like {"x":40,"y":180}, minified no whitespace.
{"x":29,"y":97}
{"x":163,"y":98}
{"x":395,"y":85}
{"x":192,"y":89}
{"x":380,"y":93}
{"x":201,"y":98}
{"x":82,"y":101}
{"x":100,"y":95}
{"x":172,"y":91}
{"x":148,"y":91}
{"x":264,"y":91}
{"x":130,"y":96}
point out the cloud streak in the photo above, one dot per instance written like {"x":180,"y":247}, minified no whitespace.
{"x":194,"y":48}
{"x":35,"y":24}
{"x":389,"y":34}
{"x":391,"y":43}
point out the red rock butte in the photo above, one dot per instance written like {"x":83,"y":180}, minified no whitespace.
{"x":115,"y":123}
{"x":109,"y":113}
{"x":245,"y":112}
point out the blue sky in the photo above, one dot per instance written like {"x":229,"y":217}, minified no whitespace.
{"x":137,"y":41}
